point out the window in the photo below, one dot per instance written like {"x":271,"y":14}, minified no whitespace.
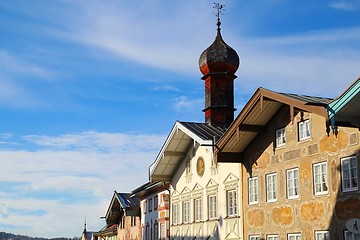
{"x":272,"y":237}
{"x":294,"y":236}
{"x":133,"y":221}
{"x":304,"y":130}
{"x":212,"y":206}
{"x":175,"y":213}
{"x":280,"y":137}
{"x":147,"y":231}
{"x":320,"y":178}
{"x":156,"y":231}
{"x":156,"y":202}
{"x":198,"y":209}
{"x":253,"y":190}
{"x":349,"y":177}
{"x":292,"y":182}
{"x":186,"y":211}
{"x":231,"y":203}
{"x":254,"y":237}
{"x":322,"y":235}
{"x":271,"y":187}
{"x":351,"y":236}
{"x":150,"y":204}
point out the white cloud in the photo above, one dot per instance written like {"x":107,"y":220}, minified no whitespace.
{"x":71,"y":183}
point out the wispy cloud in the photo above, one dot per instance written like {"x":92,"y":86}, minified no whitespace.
{"x":183,"y":103}
{"x":311,"y":63}
{"x":166,"y":88}
{"x":345,"y":5}
{"x":14,"y":65}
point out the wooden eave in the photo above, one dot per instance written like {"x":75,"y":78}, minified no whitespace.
{"x":180,"y":140}
{"x":253,"y":120}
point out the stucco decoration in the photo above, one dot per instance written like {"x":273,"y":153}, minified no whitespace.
{"x":334,"y":143}
{"x":282,"y":216}
{"x":256,"y":218}
{"x":334,"y":173}
{"x":348,"y":208}
{"x":312,"y":211}
{"x":263,"y":161}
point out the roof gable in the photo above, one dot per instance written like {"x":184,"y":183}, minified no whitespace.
{"x":255,"y":116}
{"x":183,"y":137}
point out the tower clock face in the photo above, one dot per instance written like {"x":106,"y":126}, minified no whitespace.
{"x":200,"y":166}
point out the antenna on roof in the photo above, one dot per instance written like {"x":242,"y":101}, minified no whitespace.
{"x":220,"y":8}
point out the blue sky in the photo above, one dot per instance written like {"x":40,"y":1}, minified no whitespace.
{"x":90,"y":89}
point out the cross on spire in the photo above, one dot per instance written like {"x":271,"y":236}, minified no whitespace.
{"x":220,"y":8}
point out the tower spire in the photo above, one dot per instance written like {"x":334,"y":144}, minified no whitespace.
{"x":218,"y":64}
{"x":220,"y":8}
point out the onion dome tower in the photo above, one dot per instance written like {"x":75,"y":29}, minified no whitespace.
{"x":218,"y":64}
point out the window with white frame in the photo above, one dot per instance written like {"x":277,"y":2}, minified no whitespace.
{"x":351,"y":236}
{"x":304,"y":130}
{"x":349,"y":175}
{"x":212,"y":206}
{"x":186,"y":211}
{"x":254,"y":237}
{"x":280,"y":137}
{"x":198,"y":209}
{"x":320,"y":178}
{"x":253,"y":190}
{"x":272,"y":237}
{"x":271,"y":187}
{"x":322,"y":235}
{"x":292,"y":183}
{"x":231,"y":203}
{"x":175,"y":213}
{"x":294,"y":236}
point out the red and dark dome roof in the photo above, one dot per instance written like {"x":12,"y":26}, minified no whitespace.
{"x":219,"y":57}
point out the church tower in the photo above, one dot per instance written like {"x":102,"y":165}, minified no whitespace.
{"x":218,"y":64}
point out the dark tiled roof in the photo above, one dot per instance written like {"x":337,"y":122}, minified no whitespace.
{"x":203,"y":130}
{"x":127,"y":201}
{"x":310,"y":99}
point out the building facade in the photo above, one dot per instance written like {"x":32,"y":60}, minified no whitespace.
{"x":154,"y":202}
{"x":122,"y":219}
{"x":300,"y":172}
{"x":205,"y":197}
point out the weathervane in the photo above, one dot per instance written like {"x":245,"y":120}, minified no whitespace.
{"x":220,"y":8}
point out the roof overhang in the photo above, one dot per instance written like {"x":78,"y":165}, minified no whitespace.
{"x":113,"y":213}
{"x":178,"y":143}
{"x":345,"y":110}
{"x":255,"y":116}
